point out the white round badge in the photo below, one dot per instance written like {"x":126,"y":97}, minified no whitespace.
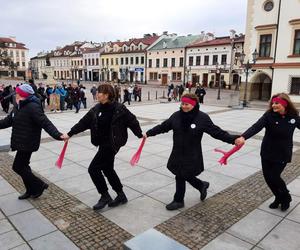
{"x":193,"y":126}
{"x":100,"y":114}
{"x":292,"y":121}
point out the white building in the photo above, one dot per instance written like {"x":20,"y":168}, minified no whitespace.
{"x":17,"y":54}
{"x":212,"y":61}
{"x":91,"y":62}
{"x":273,"y":28}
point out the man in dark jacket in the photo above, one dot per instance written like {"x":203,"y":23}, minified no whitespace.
{"x":186,"y":160}
{"x":200,"y":92}
{"x":27,"y":121}
{"x":108,"y":122}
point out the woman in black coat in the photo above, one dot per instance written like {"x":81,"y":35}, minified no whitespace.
{"x":279,"y":122}
{"x":27,"y":121}
{"x":108,"y":122}
{"x":186,"y":160}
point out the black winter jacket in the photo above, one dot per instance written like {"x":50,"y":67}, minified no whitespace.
{"x":121,"y":120}
{"x":277,"y":144}
{"x":27,"y":122}
{"x":186,"y":158}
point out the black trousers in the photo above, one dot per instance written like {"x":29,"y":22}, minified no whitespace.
{"x":103,"y":163}
{"x":21,"y":166}
{"x":180,"y":186}
{"x":272,"y":172}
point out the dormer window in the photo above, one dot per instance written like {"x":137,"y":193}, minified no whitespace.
{"x":141,"y":47}
{"x":132,"y":47}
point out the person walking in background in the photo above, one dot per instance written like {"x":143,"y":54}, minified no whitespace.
{"x":61,"y":93}
{"x":108,"y":122}
{"x":180,"y":91}
{"x":186,"y":160}
{"x":130,"y":92}
{"x":75,"y":97}
{"x":279,"y":121}
{"x":200,"y":92}
{"x":27,"y":120}
{"x":126,"y":97}
{"x":94,"y":92}
{"x":82,"y":96}
{"x":42,"y":94}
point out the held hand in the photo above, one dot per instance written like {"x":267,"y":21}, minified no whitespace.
{"x":239,"y":141}
{"x":65,"y":137}
{"x":145,"y":136}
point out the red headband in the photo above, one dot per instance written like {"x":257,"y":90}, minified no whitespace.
{"x":189,"y":101}
{"x":283,"y":102}
{"x":22,"y":93}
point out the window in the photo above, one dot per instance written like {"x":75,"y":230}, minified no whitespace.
{"x":131,"y":60}
{"x":93,"y":61}
{"x":126,"y":60}
{"x":198,"y":60}
{"x":117,"y":61}
{"x":157,"y":63}
{"x":122,"y":61}
{"x":150,"y":63}
{"x":265,"y":45}
{"x":18,"y":64}
{"x":11,"y":53}
{"x":165,"y":62}
{"x":268,"y":6}
{"x":296,"y":50}
{"x":23,"y":54}
{"x":224,"y":59}
{"x":111,"y":61}
{"x":89,"y":62}
{"x":137,"y":60}
{"x":181,"y":62}
{"x":23,"y":64}
{"x":191,"y":60}
{"x":97,"y":61}
{"x":142,"y":60}
{"x":102,"y":62}
{"x":82,"y":62}
{"x":17,"y":53}
{"x":295,"y":86}
{"x":176,"y":76}
{"x":153,"y":76}
{"x":206,"y":60}
{"x":107,"y":61}
{"x":215,"y":59}
{"x":173,"y":62}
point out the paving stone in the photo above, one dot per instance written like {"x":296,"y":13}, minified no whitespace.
{"x":152,"y":239}
{"x":284,"y":236}
{"x":47,"y":164}
{"x":22,"y":247}
{"x":262,"y":222}
{"x":147,"y":182}
{"x":6,"y":188}
{"x":294,"y":187}
{"x":84,"y":155}
{"x":227,"y":242}
{"x":125,"y":170}
{"x":152,"y":161}
{"x":145,"y":210}
{"x":294,"y":214}
{"x":10,"y":204}
{"x":32,"y":224}
{"x":9,"y":240}
{"x":5,"y":226}
{"x":53,"y":241}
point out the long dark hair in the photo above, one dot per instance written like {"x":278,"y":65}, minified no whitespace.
{"x":290,"y":109}
{"x":106,"y":88}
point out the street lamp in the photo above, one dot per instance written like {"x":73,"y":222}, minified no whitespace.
{"x":247,"y":67}
{"x":218,"y":72}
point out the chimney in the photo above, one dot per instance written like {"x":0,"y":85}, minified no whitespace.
{"x":165,"y":33}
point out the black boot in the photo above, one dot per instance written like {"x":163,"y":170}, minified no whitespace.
{"x":174,"y":205}
{"x":120,"y":199}
{"x":24,"y":196}
{"x":37,"y":195}
{"x":275,"y":204}
{"x":104,"y":200}
{"x":285,"y":204}
{"x":203,"y":190}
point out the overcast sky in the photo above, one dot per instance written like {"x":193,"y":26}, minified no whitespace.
{"x":45,"y":24}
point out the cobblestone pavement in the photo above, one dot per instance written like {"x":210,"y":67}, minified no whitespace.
{"x":235,"y":191}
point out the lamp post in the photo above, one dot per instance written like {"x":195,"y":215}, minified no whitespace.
{"x":247,"y":67}
{"x":218,"y":72}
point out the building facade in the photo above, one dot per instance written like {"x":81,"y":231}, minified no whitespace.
{"x":14,"y":58}
{"x":166,"y":59}
{"x":126,"y":61}
{"x":92,"y":63}
{"x":212,"y":62}
{"x":273,"y":28}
